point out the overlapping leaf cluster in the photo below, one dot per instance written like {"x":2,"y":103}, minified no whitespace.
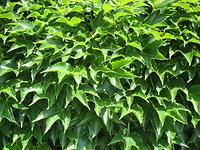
{"x":92,"y":74}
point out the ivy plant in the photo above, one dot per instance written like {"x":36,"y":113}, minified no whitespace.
{"x":99,"y":74}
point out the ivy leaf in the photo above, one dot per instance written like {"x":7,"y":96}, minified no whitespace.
{"x":194,"y":97}
{"x":10,"y":92}
{"x":99,"y":74}
{"x":136,"y":109}
{"x":61,"y":68}
{"x":120,"y":63}
{"x":50,"y":121}
{"x":130,"y":143}
{"x":65,"y":119}
{"x":95,"y":127}
{"x":6,"y":111}
{"x":80,"y":95}
{"x":35,"y":88}
{"x":117,"y":138}
{"x":46,"y":113}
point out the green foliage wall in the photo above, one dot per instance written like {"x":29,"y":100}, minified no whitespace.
{"x":99,"y":74}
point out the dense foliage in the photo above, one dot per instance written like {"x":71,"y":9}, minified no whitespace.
{"x":99,"y":74}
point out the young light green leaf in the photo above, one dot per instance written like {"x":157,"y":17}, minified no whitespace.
{"x":135,"y":44}
{"x":107,"y":8}
{"x":120,"y":63}
{"x":10,"y":92}
{"x":8,"y":15}
{"x":74,"y":21}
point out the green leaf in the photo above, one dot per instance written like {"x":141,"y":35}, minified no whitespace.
{"x":89,"y":90}
{"x":155,"y":18}
{"x":194,"y":97}
{"x":95,"y":127}
{"x":5,"y":67}
{"x":195,"y":120}
{"x":78,"y":9}
{"x":25,"y":138}
{"x":136,"y":45}
{"x":69,"y":95}
{"x":136,"y":109}
{"x":19,"y":106}
{"x":6,"y":111}
{"x":193,"y":40}
{"x":107,"y":8}
{"x":188,"y":55}
{"x":163,"y":3}
{"x":170,"y":138}
{"x":46,"y":113}
{"x":174,"y":87}
{"x":117,"y":138}
{"x":98,"y":20}
{"x":125,"y":112}
{"x":120,"y":14}
{"x":35,"y":88}
{"x":19,"y":43}
{"x":23,"y":26}
{"x":124,"y":2}
{"x":99,"y":74}
{"x":175,"y":111}
{"x":109,"y":20}
{"x":10,"y":92}
{"x":130,"y":143}
{"x":50,"y":121}
{"x":80,"y":95}
{"x":42,"y":147}
{"x":121,"y":73}
{"x":61,"y":68}
{"x":8,"y":15}
{"x":65,"y":119}
{"x":74,"y":21}
{"x":120,"y":63}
